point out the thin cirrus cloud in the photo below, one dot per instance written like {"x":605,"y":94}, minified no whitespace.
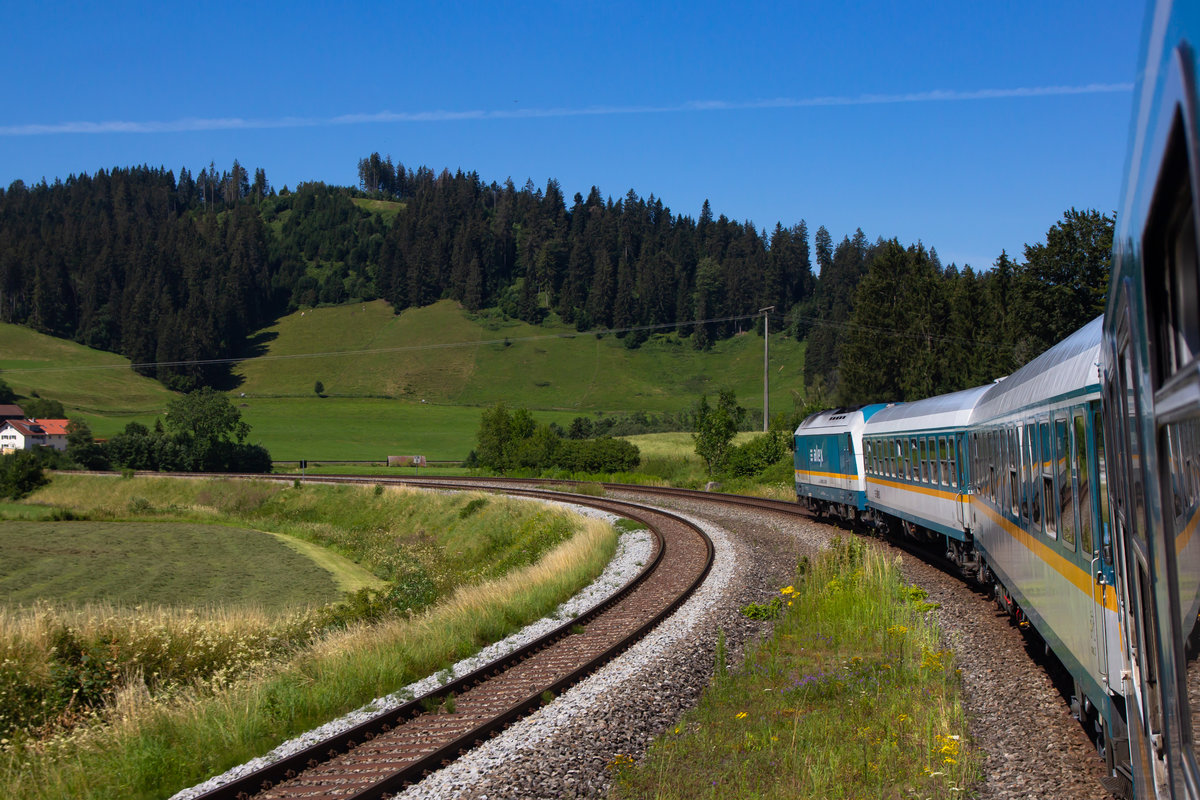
{"x":198,"y":124}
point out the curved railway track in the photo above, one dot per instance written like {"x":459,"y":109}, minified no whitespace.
{"x":381,"y":756}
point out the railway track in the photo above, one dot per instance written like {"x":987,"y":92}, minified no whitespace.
{"x":381,"y":756}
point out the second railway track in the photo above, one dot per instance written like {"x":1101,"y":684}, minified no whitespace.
{"x":381,"y":756}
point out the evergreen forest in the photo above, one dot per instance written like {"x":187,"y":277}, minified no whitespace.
{"x":178,"y":271}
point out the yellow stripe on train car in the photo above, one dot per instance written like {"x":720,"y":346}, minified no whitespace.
{"x":909,"y":487}
{"x":1056,"y":561}
{"x":835,"y":475}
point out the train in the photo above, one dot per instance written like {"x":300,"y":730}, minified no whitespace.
{"x":1071,"y":488}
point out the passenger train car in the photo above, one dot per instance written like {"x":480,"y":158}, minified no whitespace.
{"x":918,"y":476}
{"x":1077,"y":495}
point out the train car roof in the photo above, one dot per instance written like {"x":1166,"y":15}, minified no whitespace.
{"x":1068,"y":367}
{"x":839,"y":419}
{"x":933,"y":413}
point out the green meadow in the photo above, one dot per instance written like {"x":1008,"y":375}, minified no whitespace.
{"x":159,"y":563}
{"x":443,"y":355}
{"x":409,"y":384}
{"x":93,"y":384}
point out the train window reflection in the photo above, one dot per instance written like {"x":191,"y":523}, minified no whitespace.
{"x":954,"y":478}
{"x":1065,"y":483}
{"x":1083,"y":484}
{"x":1105,"y":535}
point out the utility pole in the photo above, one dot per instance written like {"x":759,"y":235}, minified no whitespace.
{"x":766,"y":375}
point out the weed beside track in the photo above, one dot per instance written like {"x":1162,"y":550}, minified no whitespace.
{"x":851,"y":696}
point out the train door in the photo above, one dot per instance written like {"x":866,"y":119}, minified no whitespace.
{"x":1133,"y":549}
{"x":849,"y":465}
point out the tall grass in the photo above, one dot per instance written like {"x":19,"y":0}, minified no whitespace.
{"x":852,"y":696}
{"x":143,"y":747}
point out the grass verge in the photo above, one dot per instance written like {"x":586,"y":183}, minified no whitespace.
{"x":144,"y":748}
{"x":850,"y":697}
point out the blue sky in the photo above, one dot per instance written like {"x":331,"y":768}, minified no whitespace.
{"x":970,"y":126}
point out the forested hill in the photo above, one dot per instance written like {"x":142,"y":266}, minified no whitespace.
{"x":176,"y":270}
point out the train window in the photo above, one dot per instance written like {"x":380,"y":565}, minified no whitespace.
{"x":1083,"y":484}
{"x":997,"y":474}
{"x":976,"y":480}
{"x":1001,"y":468}
{"x":953,"y":455}
{"x":944,"y":461}
{"x":1170,"y":446}
{"x":1169,"y":243}
{"x":1027,"y":477}
{"x":1044,"y":467}
{"x":914,"y":460}
{"x":1133,"y":450}
{"x":1064,"y":483}
{"x":991,"y":465}
{"x":1010,"y":463}
{"x":1104,"y":535}
{"x":935,"y":462}
{"x":922,"y":461}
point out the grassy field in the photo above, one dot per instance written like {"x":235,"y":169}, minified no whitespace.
{"x":96,"y":384}
{"x":158,"y":564}
{"x":387,"y":209}
{"x":443,"y":355}
{"x":413,"y":383}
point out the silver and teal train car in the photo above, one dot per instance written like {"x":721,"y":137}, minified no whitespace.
{"x":1151,"y":385}
{"x":1039,"y":517}
{"x":917,"y":473}
{"x":829,"y":461}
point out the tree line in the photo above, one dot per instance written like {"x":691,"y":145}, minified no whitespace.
{"x":912,"y":328}
{"x":179,"y":271}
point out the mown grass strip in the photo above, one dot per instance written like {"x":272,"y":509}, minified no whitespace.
{"x":852,"y":696}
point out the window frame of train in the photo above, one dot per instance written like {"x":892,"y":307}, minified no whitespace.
{"x":1046,"y":480}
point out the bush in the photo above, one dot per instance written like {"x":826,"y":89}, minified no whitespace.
{"x":597,"y":455}
{"x":20,"y":473}
{"x":757,"y":454}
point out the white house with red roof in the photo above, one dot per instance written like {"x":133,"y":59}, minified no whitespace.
{"x":26,"y":434}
